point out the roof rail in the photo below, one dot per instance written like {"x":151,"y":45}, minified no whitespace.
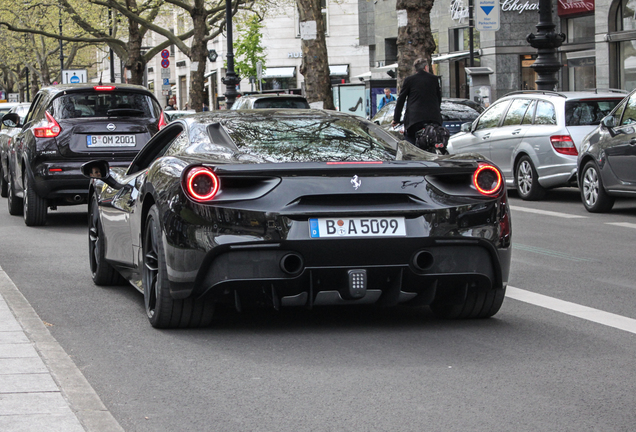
{"x":609,"y":90}
{"x":545,"y":92}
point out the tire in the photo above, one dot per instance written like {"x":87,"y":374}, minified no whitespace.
{"x":527,"y":181}
{"x":4,"y":189}
{"x":102,"y":272}
{"x":34,"y":207}
{"x":162,"y":310}
{"x":593,"y":195}
{"x":477,"y":305}
{"x":14,"y":203}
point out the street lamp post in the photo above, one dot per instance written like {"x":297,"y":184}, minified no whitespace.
{"x":546,"y":41}
{"x":231,"y":80}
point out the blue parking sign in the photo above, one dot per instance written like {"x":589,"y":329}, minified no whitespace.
{"x":166,"y":81}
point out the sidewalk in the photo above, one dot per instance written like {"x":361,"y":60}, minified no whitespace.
{"x":41,"y":389}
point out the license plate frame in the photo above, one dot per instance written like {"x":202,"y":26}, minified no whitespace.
{"x":358,"y":227}
{"x":111,"y":140}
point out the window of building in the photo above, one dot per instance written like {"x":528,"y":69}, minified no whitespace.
{"x":625,"y":16}
{"x":580,"y":29}
{"x":528,"y":75}
{"x":390,"y":50}
{"x":627,"y":64}
{"x":459,"y":39}
{"x":581,"y":73}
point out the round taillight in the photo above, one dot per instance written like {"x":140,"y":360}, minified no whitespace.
{"x":201,"y":183}
{"x":487,"y":179}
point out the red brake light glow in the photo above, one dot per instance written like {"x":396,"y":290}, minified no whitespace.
{"x":563,"y":144}
{"x":354,"y":163}
{"x":103,"y":88}
{"x":162,"y":120}
{"x":487,"y":179}
{"x":51,"y":130}
{"x":201,"y":184}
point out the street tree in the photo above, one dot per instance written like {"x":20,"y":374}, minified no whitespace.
{"x":248,"y":46}
{"x":315,"y":63}
{"x":415,"y":38}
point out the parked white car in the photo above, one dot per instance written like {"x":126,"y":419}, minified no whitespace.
{"x":534,"y":137}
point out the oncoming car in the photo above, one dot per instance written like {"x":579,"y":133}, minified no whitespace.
{"x":297,"y":208}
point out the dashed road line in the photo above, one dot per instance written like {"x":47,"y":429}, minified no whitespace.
{"x":547,"y":213}
{"x":622,"y":224}
{"x":549,"y":252}
{"x":587,"y":313}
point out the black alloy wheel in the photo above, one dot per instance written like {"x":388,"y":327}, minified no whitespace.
{"x":35,"y":207}
{"x":102,"y":272}
{"x":593,"y":195}
{"x":3,"y":184}
{"x":163,"y":311}
{"x":477,"y":304}
{"x":527,"y":180}
{"x":13,"y":202}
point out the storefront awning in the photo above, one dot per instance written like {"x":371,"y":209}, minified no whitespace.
{"x":453,"y":56}
{"x":386,"y":68}
{"x":339,"y":70}
{"x":364,"y":75}
{"x":279,"y":72}
{"x":209,"y":74}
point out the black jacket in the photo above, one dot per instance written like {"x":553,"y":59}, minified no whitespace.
{"x":424,"y":100}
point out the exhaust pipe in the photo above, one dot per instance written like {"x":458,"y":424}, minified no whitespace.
{"x":292,"y":264}
{"x":77,"y":198}
{"x":422,"y":260}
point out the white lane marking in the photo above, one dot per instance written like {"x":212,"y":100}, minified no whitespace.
{"x":577,"y":310}
{"x":622,"y":224}
{"x":547,"y":213}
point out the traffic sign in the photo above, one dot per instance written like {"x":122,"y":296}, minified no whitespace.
{"x":165,"y":63}
{"x":165,"y":54}
{"x":165,"y":73}
{"x":166,"y":81}
{"x":74,"y":76}
{"x":487,"y":15}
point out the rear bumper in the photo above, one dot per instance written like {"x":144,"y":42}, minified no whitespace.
{"x":315,"y":272}
{"x":66,"y":186}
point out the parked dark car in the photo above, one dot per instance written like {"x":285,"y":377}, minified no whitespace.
{"x":607,"y":161}
{"x":298,"y":208}
{"x":7,"y":132}
{"x":66,"y":126}
{"x":270,"y":100}
{"x":454,"y":113}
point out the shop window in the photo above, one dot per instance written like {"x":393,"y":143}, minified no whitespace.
{"x":460,"y":39}
{"x":581,"y":73}
{"x":528,"y":75}
{"x":581,"y":29}
{"x":625,"y":16}
{"x":627,"y":64}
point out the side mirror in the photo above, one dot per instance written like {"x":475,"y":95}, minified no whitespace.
{"x":99,"y":169}
{"x":609,"y":121}
{"x":11,"y":120}
{"x":466,"y":127}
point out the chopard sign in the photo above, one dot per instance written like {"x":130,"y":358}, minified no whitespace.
{"x":518,"y":6}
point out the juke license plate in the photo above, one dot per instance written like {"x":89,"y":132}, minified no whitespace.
{"x":111,"y":140}
{"x":357,"y":227}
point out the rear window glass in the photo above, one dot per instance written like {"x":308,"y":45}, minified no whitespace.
{"x":281,"y":103}
{"x":311,"y":139}
{"x":104,"y":104}
{"x":588,"y":112}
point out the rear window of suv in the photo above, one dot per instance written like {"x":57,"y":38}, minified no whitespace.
{"x":588,"y":112}
{"x":104,"y":104}
{"x":280,"y":102}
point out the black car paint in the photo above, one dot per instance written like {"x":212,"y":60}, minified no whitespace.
{"x":237,"y":242}
{"x":33,"y":157}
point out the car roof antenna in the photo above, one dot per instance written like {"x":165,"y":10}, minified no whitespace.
{"x":100,"y":77}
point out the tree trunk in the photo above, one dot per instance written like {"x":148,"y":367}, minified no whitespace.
{"x":135,"y":64}
{"x":315,"y":64}
{"x":198,"y":57}
{"x":415,"y":39}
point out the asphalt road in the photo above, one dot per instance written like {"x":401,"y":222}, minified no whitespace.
{"x":359,"y":369}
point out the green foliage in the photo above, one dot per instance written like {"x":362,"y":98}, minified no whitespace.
{"x":248,"y":47}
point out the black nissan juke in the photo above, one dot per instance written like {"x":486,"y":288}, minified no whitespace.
{"x":66,"y":126}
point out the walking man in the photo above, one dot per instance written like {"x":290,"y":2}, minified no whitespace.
{"x":423,"y":97}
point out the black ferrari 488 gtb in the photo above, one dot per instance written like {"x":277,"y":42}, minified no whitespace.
{"x":288,"y":208}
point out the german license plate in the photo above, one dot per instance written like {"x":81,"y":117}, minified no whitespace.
{"x":357,"y":227}
{"x":111,"y":140}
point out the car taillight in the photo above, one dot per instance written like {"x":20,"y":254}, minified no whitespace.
{"x":487,"y":179}
{"x":201,"y":184}
{"x":51,"y":130}
{"x":162,"y":120}
{"x":563,"y":144}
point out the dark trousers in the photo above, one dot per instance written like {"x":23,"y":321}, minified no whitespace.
{"x":410,"y":132}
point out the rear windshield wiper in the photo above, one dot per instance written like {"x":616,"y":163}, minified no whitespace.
{"x":131,"y":112}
